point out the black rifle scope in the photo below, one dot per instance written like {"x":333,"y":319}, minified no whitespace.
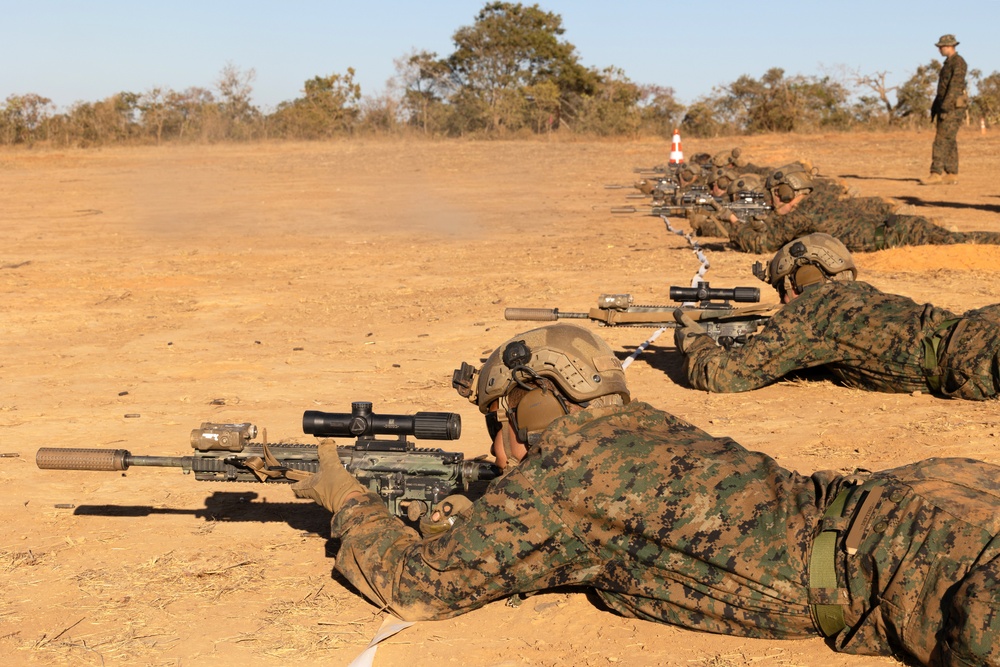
{"x":704,"y":293}
{"x":360,"y":422}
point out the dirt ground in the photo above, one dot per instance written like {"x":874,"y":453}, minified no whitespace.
{"x":249,"y":283}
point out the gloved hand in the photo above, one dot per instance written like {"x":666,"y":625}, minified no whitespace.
{"x":697,"y":220}
{"x":331,"y":485}
{"x":442,"y":517}
{"x":687,"y":331}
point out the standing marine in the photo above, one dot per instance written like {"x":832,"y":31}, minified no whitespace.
{"x":948,"y":109}
{"x":803,"y":203}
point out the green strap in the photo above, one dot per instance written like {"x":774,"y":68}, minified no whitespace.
{"x":932,"y":353}
{"x":880,"y":241}
{"x":823,"y":570}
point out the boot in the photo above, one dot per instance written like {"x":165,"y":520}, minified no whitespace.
{"x":933,"y":179}
{"x":949,"y":179}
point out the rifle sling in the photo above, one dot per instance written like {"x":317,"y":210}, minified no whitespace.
{"x":269,"y":467}
{"x":935,"y":348}
{"x":827,"y":596}
{"x":823,"y":571}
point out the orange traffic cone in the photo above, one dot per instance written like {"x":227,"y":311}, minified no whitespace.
{"x":676,"y":154}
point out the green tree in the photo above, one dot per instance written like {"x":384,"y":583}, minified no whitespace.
{"x":115,"y":119}
{"x":426,"y":83}
{"x":659,"y":110}
{"x":612,"y":109}
{"x":329,"y":107}
{"x":235,"y":88}
{"x":914,"y":97}
{"x":822,"y":103}
{"x":155,"y":111}
{"x":702,"y":119}
{"x":986,"y":103}
{"x":23,"y":118}
{"x":193,"y":112}
{"x":509,"y":49}
{"x":776,"y":103}
{"x":765,"y":105}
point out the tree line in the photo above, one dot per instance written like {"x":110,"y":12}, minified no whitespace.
{"x":511,"y":74}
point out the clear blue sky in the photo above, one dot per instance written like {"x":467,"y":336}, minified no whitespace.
{"x":70,"y":51}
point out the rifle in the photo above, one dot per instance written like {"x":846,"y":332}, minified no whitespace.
{"x":749,"y":206}
{"x":695,"y":198}
{"x":409,"y":480}
{"x":729,"y":326}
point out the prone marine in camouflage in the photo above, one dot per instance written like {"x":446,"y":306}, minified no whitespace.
{"x":669,"y":524}
{"x":804,"y":203}
{"x":703,"y":174}
{"x":868,"y":339}
{"x":718,"y":222}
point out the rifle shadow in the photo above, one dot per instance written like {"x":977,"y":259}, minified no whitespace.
{"x":719,"y":244}
{"x":879,"y":178}
{"x":917,"y":201}
{"x":229,"y":506}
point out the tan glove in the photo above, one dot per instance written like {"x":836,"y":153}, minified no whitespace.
{"x":700,"y":221}
{"x":332,"y":484}
{"x":687,"y":331}
{"x":442,"y":517}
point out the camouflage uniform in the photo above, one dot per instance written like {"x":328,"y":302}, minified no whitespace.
{"x":666,"y":523}
{"x":863,"y":224}
{"x":868,"y":339}
{"x":948,"y":108}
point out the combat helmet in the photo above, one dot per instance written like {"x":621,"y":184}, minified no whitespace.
{"x":785,"y":182}
{"x":688,"y":173}
{"x":806,"y":261}
{"x":516,"y":378}
{"x":729,"y":158}
{"x":721,"y":177}
{"x":748,"y":184}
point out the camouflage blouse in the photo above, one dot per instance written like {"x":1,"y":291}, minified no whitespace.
{"x":868,"y":339}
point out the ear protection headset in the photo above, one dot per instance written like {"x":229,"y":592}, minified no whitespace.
{"x":540,"y":405}
{"x":785,"y":193}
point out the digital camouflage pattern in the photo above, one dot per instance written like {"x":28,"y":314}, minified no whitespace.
{"x":948,"y":108}
{"x":863,"y":224}
{"x":663,"y":521}
{"x":666,"y":523}
{"x":926,"y":577}
{"x":868,"y":339}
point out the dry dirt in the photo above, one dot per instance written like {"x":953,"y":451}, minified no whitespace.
{"x":250,"y":283}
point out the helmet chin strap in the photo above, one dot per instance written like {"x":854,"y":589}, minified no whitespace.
{"x":507,"y":434}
